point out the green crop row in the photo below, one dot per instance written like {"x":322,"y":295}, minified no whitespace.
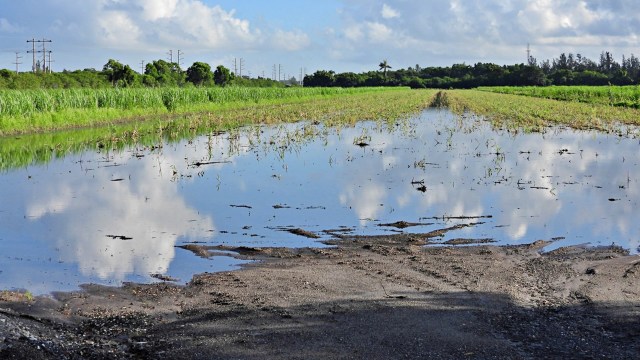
{"x":24,"y":111}
{"x":625,"y":96}
{"x":40,"y":148}
{"x":28,"y":102}
{"x":528,"y":113}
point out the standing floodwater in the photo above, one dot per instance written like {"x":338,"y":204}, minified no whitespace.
{"x":118,"y":216}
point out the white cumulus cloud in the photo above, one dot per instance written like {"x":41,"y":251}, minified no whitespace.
{"x":290,"y":40}
{"x":388,"y":12}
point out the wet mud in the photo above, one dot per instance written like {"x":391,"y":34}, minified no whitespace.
{"x":373,"y":297}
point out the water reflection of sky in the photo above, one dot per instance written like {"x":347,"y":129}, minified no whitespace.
{"x":62,"y":224}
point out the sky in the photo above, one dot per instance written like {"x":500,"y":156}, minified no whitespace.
{"x":302,"y":36}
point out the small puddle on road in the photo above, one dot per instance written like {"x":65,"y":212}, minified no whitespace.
{"x":113,"y":217}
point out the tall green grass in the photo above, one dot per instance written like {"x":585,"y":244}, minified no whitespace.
{"x":23,"y":111}
{"x":624,"y":96}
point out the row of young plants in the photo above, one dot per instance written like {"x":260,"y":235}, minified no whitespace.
{"x":528,"y":113}
{"x":39,"y":110}
{"x":40,"y":148}
{"x":625,"y":96}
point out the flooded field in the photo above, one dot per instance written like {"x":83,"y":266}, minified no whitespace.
{"x":108,"y":217}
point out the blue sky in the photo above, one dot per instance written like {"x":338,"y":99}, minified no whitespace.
{"x":340,"y":35}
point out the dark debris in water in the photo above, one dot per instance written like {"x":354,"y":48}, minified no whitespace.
{"x":241,"y":206}
{"x":119,"y":237}
{"x":404,"y":224}
{"x":422,"y":188}
{"x":462,"y":241}
{"x":460,"y":217}
{"x":164,"y":278}
{"x":302,"y":232}
{"x":201,"y":163}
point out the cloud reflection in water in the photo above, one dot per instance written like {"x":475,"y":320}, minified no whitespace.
{"x":535,"y":186}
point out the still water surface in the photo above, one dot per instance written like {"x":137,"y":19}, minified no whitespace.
{"x":113,"y":217}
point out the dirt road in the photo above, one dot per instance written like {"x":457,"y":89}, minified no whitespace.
{"x":366,"y":298}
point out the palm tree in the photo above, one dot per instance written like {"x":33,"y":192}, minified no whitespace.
{"x":384,"y":66}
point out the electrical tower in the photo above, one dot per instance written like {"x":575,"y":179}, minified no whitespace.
{"x":44,"y":55}
{"x":18,"y":57}
{"x":142,"y":67}
{"x":180,"y":54}
{"x":49,"y":61}
{"x":170,"y":53}
{"x":33,"y":51}
{"x":303,"y":73}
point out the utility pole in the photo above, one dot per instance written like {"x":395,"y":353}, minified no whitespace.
{"x":18,"y":57}
{"x":142,"y":67}
{"x":33,"y":52}
{"x":44,"y":55}
{"x":170,"y":53}
{"x":48,"y":53}
{"x":528,"y":54}
{"x":241,"y":66}
{"x":273,"y":73}
{"x":179,"y":54}
{"x":279,"y":72}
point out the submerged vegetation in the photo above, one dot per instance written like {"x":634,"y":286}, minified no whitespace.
{"x":534,"y":114}
{"x":23,"y":150}
{"x":110,"y":119}
{"x":24,"y":111}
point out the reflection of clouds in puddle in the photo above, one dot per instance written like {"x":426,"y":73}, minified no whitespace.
{"x":365,"y":200}
{"x":57,"y":202}
{"x":158,"y":208}
{"x":150,"y":212}
{"x":558,"y":186}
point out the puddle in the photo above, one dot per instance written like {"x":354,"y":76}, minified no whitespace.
{"x":109,"y":218}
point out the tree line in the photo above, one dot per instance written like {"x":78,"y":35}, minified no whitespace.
{"x":157,"y":73}
{"x":567,"y":69}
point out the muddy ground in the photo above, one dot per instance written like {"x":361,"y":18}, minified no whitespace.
{"x":366,"y":298}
